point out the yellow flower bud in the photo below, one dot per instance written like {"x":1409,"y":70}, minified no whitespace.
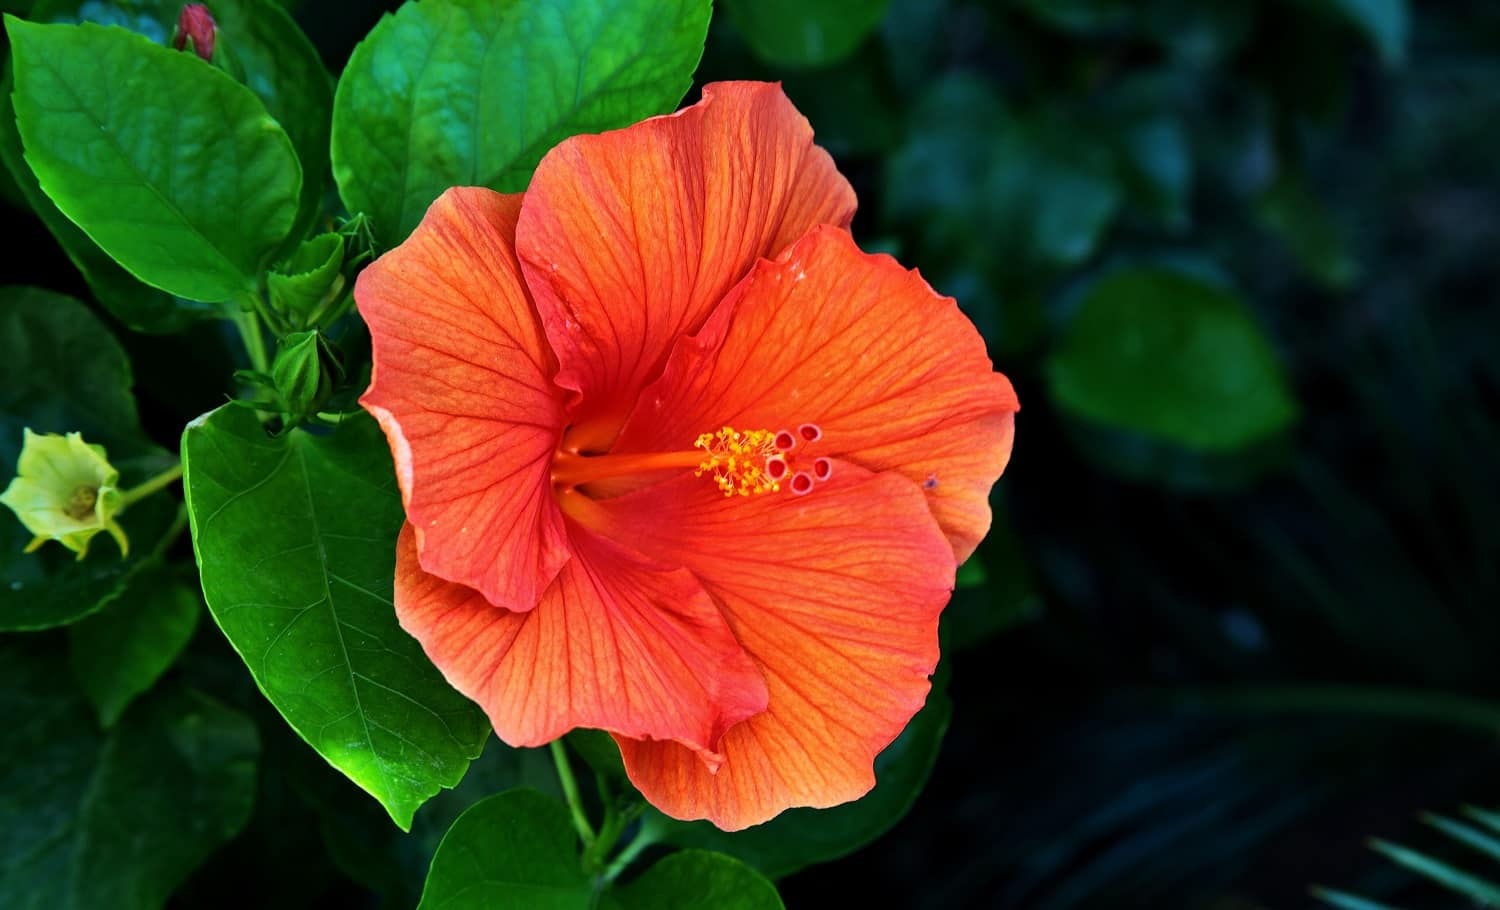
{"x":65,"y":490}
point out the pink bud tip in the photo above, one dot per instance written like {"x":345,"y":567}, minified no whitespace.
{"x":195,"y":24}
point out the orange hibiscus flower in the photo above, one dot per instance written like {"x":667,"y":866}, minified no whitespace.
{"x":679,"y":461}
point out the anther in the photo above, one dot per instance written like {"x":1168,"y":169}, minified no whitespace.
{"x":823,"y":469}
{"x":810,"y":432}
{"x":802,"y":483}
{"x":80,"y":505}
{"x":740,"y":460}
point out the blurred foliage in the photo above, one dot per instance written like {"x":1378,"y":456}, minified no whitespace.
{"x":1239,"y":607}
{"x":1477,"y":831}
{"x":1239,"y":259}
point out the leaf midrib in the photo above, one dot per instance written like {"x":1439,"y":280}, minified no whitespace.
{"x":130,"y":164}
{"x":338,"y":629}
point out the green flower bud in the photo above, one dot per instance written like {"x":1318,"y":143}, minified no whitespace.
{"x":297,"y":373}
{"x":304,"y":372}
{"x":65,"y":490}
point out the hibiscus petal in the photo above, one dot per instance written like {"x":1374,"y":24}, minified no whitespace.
{"x":836,"y":596}
{"x":461,"y":386}
{"x":894,"y":375}
{"x":630,"y":238}
{"x":616,"y":643}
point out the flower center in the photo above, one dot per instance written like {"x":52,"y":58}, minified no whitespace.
{"x":80,"y":504}
{"x":740,"y":462}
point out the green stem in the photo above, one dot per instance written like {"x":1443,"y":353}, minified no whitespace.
{"x":648,"y":835}
{"x":179,"y":524}
{"x":570,"y":790}
{"x":159,"y":482}
{"x":330,"y":309}
{"x":609,"y":832}
{"x":255,"y":343}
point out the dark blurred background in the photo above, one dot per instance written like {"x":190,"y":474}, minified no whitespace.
{"x":1242,"y":602}
{"x":1240,"y":609}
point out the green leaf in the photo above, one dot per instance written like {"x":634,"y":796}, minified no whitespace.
{"x":371,"y":851}
{"x":119,"y":652}
{"x":186,"y":180}
{"x":986,"y":184}
{"x":261,"y":47}
{"x":599,"y":751}
{"x":265,"y":50}
{"x":1171,"y":357}
{"x":61,"y":370}
{"x":464,"y":92}
{"x":805,"y":32}
{"x":10,"y":190}
{"x":802,"y":837}
{"x":298,"y":94}
{"x":513,"y":849}
{"x":295,"y":540}
{"x":518,"y":849}
{"x":111,"y":820}
{"x":300,"y":284}
{"x":699,"y":880}
{"x":139,"y":306}
{"x":1302,"y":222}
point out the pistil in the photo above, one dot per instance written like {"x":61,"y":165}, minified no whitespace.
{"x":572,"y":470}
{"x":740,"y":462}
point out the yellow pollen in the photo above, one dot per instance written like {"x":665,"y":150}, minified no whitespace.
{"x":737,"y":460}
